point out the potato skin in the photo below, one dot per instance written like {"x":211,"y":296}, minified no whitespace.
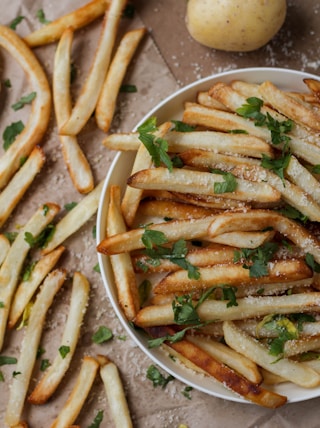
{"x":235,"y":25}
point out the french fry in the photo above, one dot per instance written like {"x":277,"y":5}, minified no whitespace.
{"x":69,"y":412}
{"x":12,"y":265}
{"x":19,"y":184}
{"x":37,"y":124}
{"x":206,"y":100}
{"x":226,"y":355}
{"x":54,"y":374}
{"x":257,"y":352}
{"x":314,"y":86}
{"x":248,"y":307}
{"x":107,"y":99}
{"x":117,"y":401}
{"x":75,"y":218}
{"x":230,"y":379}
{"x":76,"y":19}
{"x":87,"y":100}
{"x":26,"y":289}
{"x":233,"y":275}
{"x":182,"y":180}
{"x":260,"y":219}
{"x":30,"y":344}
{"x":243,"y":239}
{"x":300,"y":346}
{"x":125,"y":278}
{"x":131,"y":198}
{"x":77,"y":164}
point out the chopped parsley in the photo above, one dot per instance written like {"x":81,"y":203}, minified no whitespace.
{"x":42,"y":17}
{"x":315,"y":266}
{"x":42,"y":239}
{"x":2,"y":305}
{"x":25,"y":316}
{"x":156,"y":146}
{"x":144,"y":290}
{"x":229,"y":183}
{"x":186,"y":392}
{"x":11,"y":132}
{"x":257,"y":258}
{"x":14,"y":23}
{"x":96,"y":268}
{"x":279,"y":164}
{"x":45,"y":363}
{"x":28,"y":271}
{"x":1,"y":376}
{"x":128,"y":11}
{"x":291,"y":212}
{"x":26,"y":99}
{"x":103,"y":334}
{"x":157,"y":378}
{"x":94,"y":232}
{"x":97,"y":420}
{"x":315,"y":169}
{"x":180,"y":126}
{"x":4,"y":360}
{"x":128,"y":88}
{"x":11,"y":236}
{"x":64,"y":351}
{"x":7,"y":83}
{"x":69,"y":206}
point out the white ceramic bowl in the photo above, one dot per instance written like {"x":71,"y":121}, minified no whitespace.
{"x":171,"y":108}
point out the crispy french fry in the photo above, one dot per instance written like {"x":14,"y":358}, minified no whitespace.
{"x":107,"y":99}
{"x":19,"y":184}
{"x":314,"y":86}
{"x":71,"y":409}
{"x":75,"y":218}
{"x":54,"y":374}
{"x":257,"y":352}
{"x":300,"y":346}
{"x":38,"y":121}
{"x":125,"y":278}
{"x":260,"y":219}
{"x":4,"y":247}
{"x":183,"y":180}
{"x":248,"y":307}
{"x":115,"y":393}
{"x":77,"y":164}
{"x":12,"y":265}
{"x":232,"y":275}
{"x":76,"y":19}
{"x":26,"y":289}
{"x":206,"y":100}
{"x":30,"y":344}
{"x":89,"y":95}
{"x":249,"y":390}
{"x":244,"y":239}
{"x":226,"y":355}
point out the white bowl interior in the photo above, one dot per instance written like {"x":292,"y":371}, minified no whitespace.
{"x":171,"y":108}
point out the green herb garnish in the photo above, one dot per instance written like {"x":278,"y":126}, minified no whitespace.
{"x":157,"y":378}
{"x":45,"y":363}
{"x":128,"y":88}
{"x":103,"y":334}
{"x":27,"y":99}
{"x":11,"y":132}
{"x":180,"y":126}
{"x":14,"y":23}
{"x":97,"y":420}
{"x":64,"y":350}
{"x":258,"y":258}
{"x":7,"y":360}
{"x":229,"y":183}
{"x":42,"y":17}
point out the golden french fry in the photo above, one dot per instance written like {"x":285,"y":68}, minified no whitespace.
{"x":30,"y":344}
{"x":300,"y":346}
{"x":206,"y":100}
{"x":12,"y":265}
{"x":87,"y":100}
{"x":27,"y":288}
{"x":248,"y":307}
{"x":289,"y":106}
{"x":115,"y":393}
{"x":257,"y":352}
{"x":79,"y":393}
{"x":75,"y":218}
{"x":76,"y":19}
{"x":77,"y":164}
{"x":19,"y":184}
{"x":271,"y":378}
{"x":259,"y":220}
{"x":244,"y":239}
{"x":230,"y":379}
{"x":123,"y":270}
{"x":228,"y":356}
{"x":107,"y":99}
{"x":232,"y":275}
{"x":203,"y":183}
{"x":37,"y":124}
{"x":54,"y":374}
{"x":314,"y":86}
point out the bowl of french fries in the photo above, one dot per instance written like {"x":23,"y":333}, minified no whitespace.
{"x":208,"y":238}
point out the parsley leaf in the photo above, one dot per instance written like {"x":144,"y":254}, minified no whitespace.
{"x":103,"y":334}
{"x":285,"y":329}
{"x":69,"y":206}
{"x":144,"y":290}
{"x":128,"y":88}
{"x":97,"y":420}
{"x":180,"y":126}
{"x":229,"y":183}
{"x":258,"y":258}
{"x":11,"y":132}
{"x":7,"y":360}
{"x":42,"y":17}
{"x":45,"y":363}
{"x":315,"y":266}
{"x":291,"y":212}
{"x":156,"y":146}
{"x":64,"y":350}
{"x":157,"y":378}
{"x":251,"y":110}
{"x":277,"y":165}
{"x":14,"y":23}
{"x":186,"y":392}
{"x":26,"y":99}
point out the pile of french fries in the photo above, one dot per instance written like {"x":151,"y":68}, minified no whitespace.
{"x":229,"y":339}
{"x":28,"y":301}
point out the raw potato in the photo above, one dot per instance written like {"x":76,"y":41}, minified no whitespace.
{"x":235,"y":25}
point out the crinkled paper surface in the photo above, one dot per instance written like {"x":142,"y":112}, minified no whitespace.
{"x":166,"y":60}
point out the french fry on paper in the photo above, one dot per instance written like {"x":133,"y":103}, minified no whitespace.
{"x":115,"y":393}
{"x":12,"y":265}
{"x":38,"y":121}
{"x":4,"y":247}
{"x":27,"y":287}
{"x":72,"y":407}
{"x":54,"y":374}
{"x":87,"y":100}
{"x":76,"y":19}
{"x":30,"y":344}
{"x":77,"y":164}
{"x":107,"y":99}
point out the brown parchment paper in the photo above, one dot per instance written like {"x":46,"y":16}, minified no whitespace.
{"x":167,"y":59}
